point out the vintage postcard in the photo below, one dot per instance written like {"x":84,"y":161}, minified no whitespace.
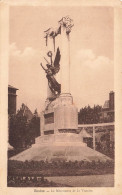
{"x":60,"y":97}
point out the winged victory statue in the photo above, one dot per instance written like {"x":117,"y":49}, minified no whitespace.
{"x":51,"y":70}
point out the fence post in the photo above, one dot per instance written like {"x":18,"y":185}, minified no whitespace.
{"x":93,"y":137}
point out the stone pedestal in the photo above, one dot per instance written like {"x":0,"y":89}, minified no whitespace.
{"x":59,"y":116}
{"x":65,"y":114}
{"x":61,"y":139}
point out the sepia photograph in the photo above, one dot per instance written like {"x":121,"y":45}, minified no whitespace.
{"x":61,"y":97}
{"x":60,"y":72}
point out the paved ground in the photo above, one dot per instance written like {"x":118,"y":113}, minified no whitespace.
{"x":85,"y":181}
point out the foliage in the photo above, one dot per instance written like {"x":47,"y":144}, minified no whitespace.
{"x":39,"y":165}
{"x":22,"y":132}
{"x":62,"y":168}
{"x":20,"y":181}
{"x":88,"y":115}
{"x":17,"y":131}
{"x":34,"y":126}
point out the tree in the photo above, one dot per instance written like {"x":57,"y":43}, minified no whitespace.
{"x":88,"y":115}
{"x":34,"y":126}
{"x":35,"y":113}
{"x":22,"y":132}
{"x":17,"y":131}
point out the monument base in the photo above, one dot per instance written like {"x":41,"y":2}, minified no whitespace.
{"x":60,"y":147}
{"x":60,"y":115}
{"x":60,"y":139}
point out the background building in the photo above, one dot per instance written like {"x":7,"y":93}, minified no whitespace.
{"x":25,"y":111}
{"x":107,"y":114}
{"x":12,"y":100}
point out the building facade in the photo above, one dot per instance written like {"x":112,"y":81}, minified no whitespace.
{"x":107,"y":114}
{"x":12,"y":100}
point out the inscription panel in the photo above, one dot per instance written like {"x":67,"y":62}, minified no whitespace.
{"x":49,"y":118}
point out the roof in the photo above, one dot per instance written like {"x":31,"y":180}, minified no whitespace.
{"x":111,"y":91}
{"x":85,"y":134}
{"x":106,"y":104}
{"x":9,"y":86}
{"x":10,"y":147}
{"x":107,"y":111}
{"x":25,"y":111}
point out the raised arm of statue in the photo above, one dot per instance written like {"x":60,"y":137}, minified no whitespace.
{"x":42,"y":66}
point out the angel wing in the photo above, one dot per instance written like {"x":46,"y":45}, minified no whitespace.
{"x":56,"y":61}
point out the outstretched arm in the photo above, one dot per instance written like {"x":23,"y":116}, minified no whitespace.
{"x":42,"y":66}
{"x":51,"y":61}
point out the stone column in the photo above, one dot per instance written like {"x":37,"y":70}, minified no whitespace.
{"x":65,"y":112}
{"x":66,"y":25}
{"x":65,"y":63}
{"x":94,"y":142}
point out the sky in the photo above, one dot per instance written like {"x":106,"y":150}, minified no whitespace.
{"x":91,"y":53}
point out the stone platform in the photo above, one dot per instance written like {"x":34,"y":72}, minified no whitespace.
{"x":65,"y":146}
{"x":60,"y":139}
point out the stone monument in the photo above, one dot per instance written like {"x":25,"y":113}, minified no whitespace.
{"x":59,"y":120}
{"x":60,"y":116}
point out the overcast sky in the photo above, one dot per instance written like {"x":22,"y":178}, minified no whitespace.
{"x":91,"y":53}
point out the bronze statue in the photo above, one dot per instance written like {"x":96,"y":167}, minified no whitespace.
{"x":52,"y":69}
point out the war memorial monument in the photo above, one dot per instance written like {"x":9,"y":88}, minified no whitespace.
{"x":59,"y":139}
